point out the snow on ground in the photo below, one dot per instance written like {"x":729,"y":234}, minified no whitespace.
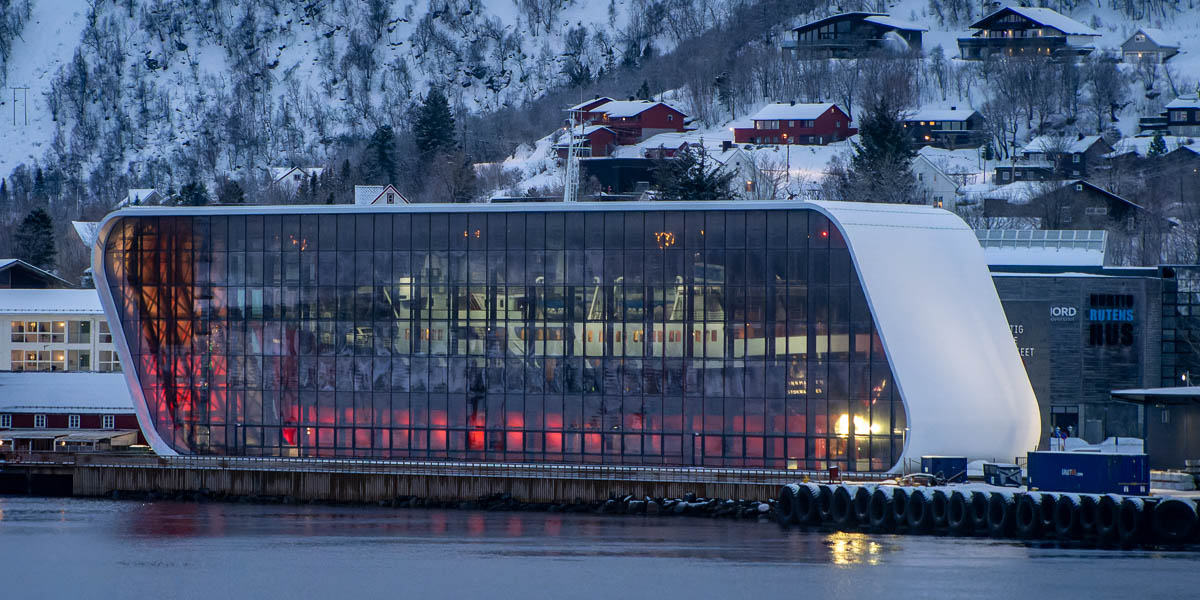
{"x":47,"y":42}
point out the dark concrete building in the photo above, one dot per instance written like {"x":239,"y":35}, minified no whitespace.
{"x":1081,"y":336}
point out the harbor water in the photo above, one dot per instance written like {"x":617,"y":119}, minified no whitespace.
{"x":69,"y":547}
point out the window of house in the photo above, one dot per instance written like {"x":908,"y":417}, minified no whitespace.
{"x":39,"y":421}
{"x":39,"y":332}
{"x":791,"y":123}
{"x":38,"y":360}
{"x":1139,"y":37}
{"x":5,"y":421}
{"x":79,"y":360}
{"x":104,"y":336}
{"x":1017,"y":174}
{"x":79,"y":332}
{"x":391,"y":198}
{"x":1178,"y":116}
{"x":1075,"y":158}
{"x":1005,"y":175}
{"x":109,"y":363}
{"x":109,"y":422}
{"x":73,"y":422}
{"x":1079,"y":187}
{"x":670,"y":117}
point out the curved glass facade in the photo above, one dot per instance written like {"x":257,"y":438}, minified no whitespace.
{"x":663,"y":336}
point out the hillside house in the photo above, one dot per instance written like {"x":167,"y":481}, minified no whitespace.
{"x":593,"y":141}
{"x":791,"y":123}
{"x":853,"y":34}
{"x":1150,"y":44}
{"x":631,"y":120}
{"x":1069,"y":204}
{"x":1024,"y":31}
{"x":935,"y":187}
{"x":291,"y":178}
{"x":1070,"y":158}
{"x":1024,"y":170}
{"x":378,"y":194}
{"x":946,"y":128}
{"x":1183,"y":116}
{"x":140,"y":197}
{"x":18,"y":274}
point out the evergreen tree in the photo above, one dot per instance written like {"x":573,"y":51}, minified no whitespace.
{"x":379,"y":159}
{"x":693,"y":175}
{"x":230,"y":192}
{"x":880,"y":170}
{"x":725,"y":93}
{"x":1158,"y":146}
{"x":433,"y":127}
{"x":35,"y":240}
{"x":193,"y":194}
{"x":643,"y":92}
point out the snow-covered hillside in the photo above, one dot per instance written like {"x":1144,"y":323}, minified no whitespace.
{"x":1146,"y":91}
{"x":146,"y":85}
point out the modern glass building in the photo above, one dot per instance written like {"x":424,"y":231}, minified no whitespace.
{"x":723,"y":335}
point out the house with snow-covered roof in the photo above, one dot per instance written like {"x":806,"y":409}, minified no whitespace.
{"x":1183,"y":116}
{"x":790,"y":123}
{"x":591,"y":140}
{"x":1068,"y":156}
{"x":936,"y":188}
{"x":141,"y":196}
{"x":631,"y":120}
{"x":1147,"y":43}
{"x":18,"y":274}
{"x":377,"y":194}
{"x":853,"y":34}
{"x":1067,"y":204}
{"x":946,"y":127}
{"x":291,"y":179}
{"x":1029,"y":32}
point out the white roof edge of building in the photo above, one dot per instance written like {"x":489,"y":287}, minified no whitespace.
{"x":956,"y":365}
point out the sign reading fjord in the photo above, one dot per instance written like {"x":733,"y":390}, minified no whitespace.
{"x":1111,"y":318}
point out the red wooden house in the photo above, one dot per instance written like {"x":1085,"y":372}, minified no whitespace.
{"x":631,"y":120}
{"x":791,"y":123}
{"x":597,"y":141}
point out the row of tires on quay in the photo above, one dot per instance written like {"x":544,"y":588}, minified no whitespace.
{"x":1103,"y":519}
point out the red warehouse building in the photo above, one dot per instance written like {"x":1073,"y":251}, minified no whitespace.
{"x":791,"y":123}
{"x":52,"y":412}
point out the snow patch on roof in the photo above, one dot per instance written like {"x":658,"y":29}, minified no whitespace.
{"x":1048,"y":18}
{"x":1046,"y":143}
{"x":1185,"y":102}
{"x":1160,"y":37}
{"x":888,"y":21}
{"x":785,"y":110}
{"x":49,"y":302}
{"x":65,"y":392}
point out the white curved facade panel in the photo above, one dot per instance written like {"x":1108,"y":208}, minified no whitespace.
{"x":944,"y":330}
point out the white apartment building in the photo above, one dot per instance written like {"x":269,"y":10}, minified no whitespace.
{"x":54,"y":330}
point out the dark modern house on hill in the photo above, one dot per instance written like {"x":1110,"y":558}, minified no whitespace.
{"x":18,"y":274}
{"x":946,"y":127}
{"x":1024,"y":31}
{"x":853,"y":34}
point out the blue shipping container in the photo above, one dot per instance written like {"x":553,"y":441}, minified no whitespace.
{"x":1089,"y":472}
{"x":951,"y":468}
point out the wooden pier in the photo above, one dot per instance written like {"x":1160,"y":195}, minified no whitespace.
{"x":371,"y":481}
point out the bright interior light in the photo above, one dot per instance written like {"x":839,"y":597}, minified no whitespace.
{"x":842,"y":426}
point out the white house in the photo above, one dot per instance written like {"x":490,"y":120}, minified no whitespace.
{"x":378,"y":194}
{"x":937,"y":189}
{"x":291,"y":178}
{"x":141,"y":196}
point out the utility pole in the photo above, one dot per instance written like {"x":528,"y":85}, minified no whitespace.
{"x":571,"y":181}
{"x":24,"y":104}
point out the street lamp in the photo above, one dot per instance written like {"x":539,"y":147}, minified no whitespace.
{"x":787,"y":173}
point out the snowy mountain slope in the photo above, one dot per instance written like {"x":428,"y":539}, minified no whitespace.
{"x":143,"y":85}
